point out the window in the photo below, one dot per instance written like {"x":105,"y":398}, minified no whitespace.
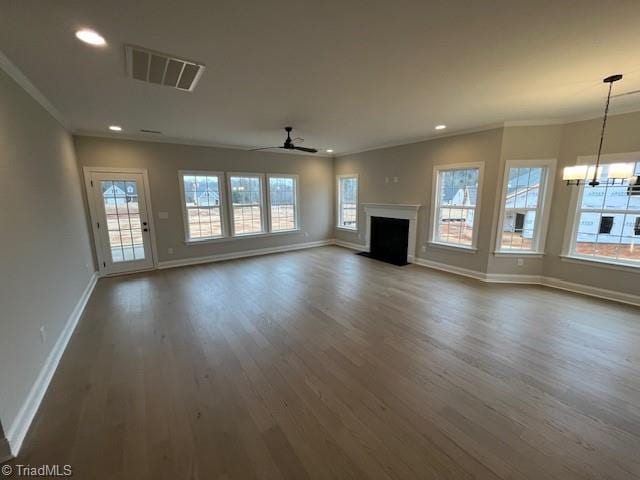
{"x":283,"y":202}
{"x":202,"y":202}
{"x":525,"y":205}
{"x":607,"y":223}
{"x":456,"y":204}
{"x":348,"y":202}
{"x":246,"y":203}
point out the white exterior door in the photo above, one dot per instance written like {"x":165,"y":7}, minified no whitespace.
{"x":119,"y":212}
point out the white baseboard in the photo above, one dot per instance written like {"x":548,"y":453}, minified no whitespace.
{"x":352,"y":246}
{"x":466,"y":272}
{"x":242,"y":254}
{"x":592,"y":291}
{"x":531,"y":280}
{"x":20,"y":426}
{"x":513,"y":278}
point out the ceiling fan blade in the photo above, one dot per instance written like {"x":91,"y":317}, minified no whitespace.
{"x":308,"y":150}
{"x":263,"y":148}
{"x":297,"y":140}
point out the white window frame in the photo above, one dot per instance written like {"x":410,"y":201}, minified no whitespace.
{"x":296,"y":201}
{"x":435,"y":204}
{"x":223,"y":203}
{"x":339,"y":201}
{"x":542,"y":211}
{"x":568,"y":247}
{"x":264,"y":213}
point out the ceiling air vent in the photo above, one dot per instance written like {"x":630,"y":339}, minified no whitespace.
{"x":162,"y":68}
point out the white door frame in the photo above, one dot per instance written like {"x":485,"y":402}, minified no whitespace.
{"x":87,"y":171}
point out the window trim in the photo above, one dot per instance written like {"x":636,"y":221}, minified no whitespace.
{"x":263,"y":219}
{"x":543,"y":211}
{"x":435,"y":186}
{"x":296,"y":204}
{"x":223,"y":202}
{"x":338,"y":213}
{"x":570,"y":234}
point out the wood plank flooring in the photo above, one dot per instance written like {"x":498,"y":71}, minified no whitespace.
{"x":323,"y":364}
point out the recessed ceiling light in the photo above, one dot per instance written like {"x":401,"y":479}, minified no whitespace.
{"x":440,"y":127}
{"x":329,"y":150}
{"x":115,"y":128}
{"x":91,"y":37}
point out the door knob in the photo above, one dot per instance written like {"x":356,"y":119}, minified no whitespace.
{"x":145,"y":229}
{"x":144,"y":223}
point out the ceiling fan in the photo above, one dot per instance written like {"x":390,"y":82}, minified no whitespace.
{"x":289,"y":145}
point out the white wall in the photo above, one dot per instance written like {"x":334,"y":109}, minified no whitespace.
{"x":164,"y":160}
{"x":413,"y":165}
{"x":45,"y":256}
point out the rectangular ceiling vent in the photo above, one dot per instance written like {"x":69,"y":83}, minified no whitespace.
{"x":162,"y":68}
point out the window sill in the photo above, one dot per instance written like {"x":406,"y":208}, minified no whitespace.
{"x":592,"y":262}
{"x":449,"y":246}
{"x":239,"y":237}
{"x":347,"y":229}
{"x":518,"y":253}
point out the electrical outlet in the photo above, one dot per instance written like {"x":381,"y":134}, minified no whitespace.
{"x":386,"y":179}
{"x":424,"y":248}
{"x":306,"y":234}
{"x":43,"y":333}
{"x":520,"y":262}
{"x":395,"y":179}
{"x":170,"y":251}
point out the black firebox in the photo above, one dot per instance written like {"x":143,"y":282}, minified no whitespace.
{"x":389,"y":240}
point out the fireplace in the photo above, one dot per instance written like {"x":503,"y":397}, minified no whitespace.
{"x":398,"y":225}
{"x":389,"y":240}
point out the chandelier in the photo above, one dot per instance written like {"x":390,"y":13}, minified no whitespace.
{"x":592,"y":174}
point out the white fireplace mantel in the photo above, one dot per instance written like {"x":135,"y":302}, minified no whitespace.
{"x":394,"y":210}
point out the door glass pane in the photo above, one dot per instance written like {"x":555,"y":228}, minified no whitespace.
{"x":123,"y":220}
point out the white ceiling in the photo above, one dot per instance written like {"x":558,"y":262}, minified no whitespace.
{"x":347,"y":74}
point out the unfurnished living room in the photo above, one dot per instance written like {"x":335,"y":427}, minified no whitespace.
{"x":320,"y":240}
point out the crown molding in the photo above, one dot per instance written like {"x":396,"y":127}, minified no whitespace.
{"x":505,"y":124}
{"x":433,"y":136}
{"x":186,"y":142}
{"x":21,"y":79}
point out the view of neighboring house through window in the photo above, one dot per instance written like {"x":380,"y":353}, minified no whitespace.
{"x":348,"y":202}
{"x":456,"y":204}
{"x":246,"y":203}
{"x":607,"y":224}
{"x":202,"y":205}
{"x":523,"y":202}
{"x":283,"y":203}
{"x":122,"y":213}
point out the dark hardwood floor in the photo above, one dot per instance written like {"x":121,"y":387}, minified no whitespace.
{"x":324,"y":364}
